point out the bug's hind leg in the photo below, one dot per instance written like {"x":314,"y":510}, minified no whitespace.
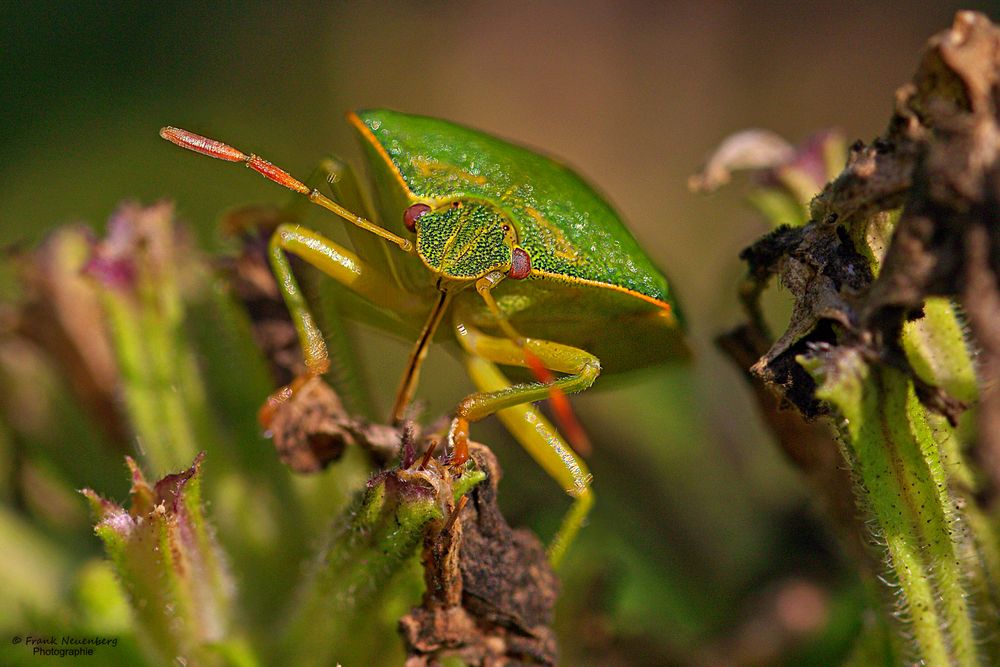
{"x":512,"y":404}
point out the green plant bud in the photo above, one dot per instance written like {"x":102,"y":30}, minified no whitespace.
{"x":171,"y":567}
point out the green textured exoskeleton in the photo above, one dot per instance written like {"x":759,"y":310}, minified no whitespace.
{"x":519,"y":256}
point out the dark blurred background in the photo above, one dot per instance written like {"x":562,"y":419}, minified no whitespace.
{"x":697,"y":512}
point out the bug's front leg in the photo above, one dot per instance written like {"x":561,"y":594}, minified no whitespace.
{"x":512,"y":404}
{"x":581,"y":367}
{"x":340,"y":264}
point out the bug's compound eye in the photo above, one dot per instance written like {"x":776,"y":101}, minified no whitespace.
{"x":520,"y":264}
{"x":412,"y":213}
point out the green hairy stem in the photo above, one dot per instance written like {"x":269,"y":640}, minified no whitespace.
{"x":371,"y":542}
{"x":891,"y":448}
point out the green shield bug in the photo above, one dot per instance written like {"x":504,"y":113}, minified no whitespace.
{"x":525,"y":263}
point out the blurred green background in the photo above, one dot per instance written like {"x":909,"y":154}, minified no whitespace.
{"x":698,"y":516}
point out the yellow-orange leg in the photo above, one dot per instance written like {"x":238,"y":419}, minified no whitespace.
{"x":512,"y":404}
{"x":581,"y":367}
{"x":561,"y":408}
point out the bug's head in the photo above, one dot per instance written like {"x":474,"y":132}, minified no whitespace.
{"x":465,"y":240}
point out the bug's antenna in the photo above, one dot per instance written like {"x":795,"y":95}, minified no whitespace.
{"x":217,"y":149}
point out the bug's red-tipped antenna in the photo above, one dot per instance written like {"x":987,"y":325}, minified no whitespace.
{"x":217,"y":149}
{"x":204,"y":145}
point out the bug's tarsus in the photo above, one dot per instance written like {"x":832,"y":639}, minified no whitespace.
{"x":266,"y":413}
{"x":459,"y":437}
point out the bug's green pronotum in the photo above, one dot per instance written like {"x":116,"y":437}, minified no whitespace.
{"x":524,"y":262}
